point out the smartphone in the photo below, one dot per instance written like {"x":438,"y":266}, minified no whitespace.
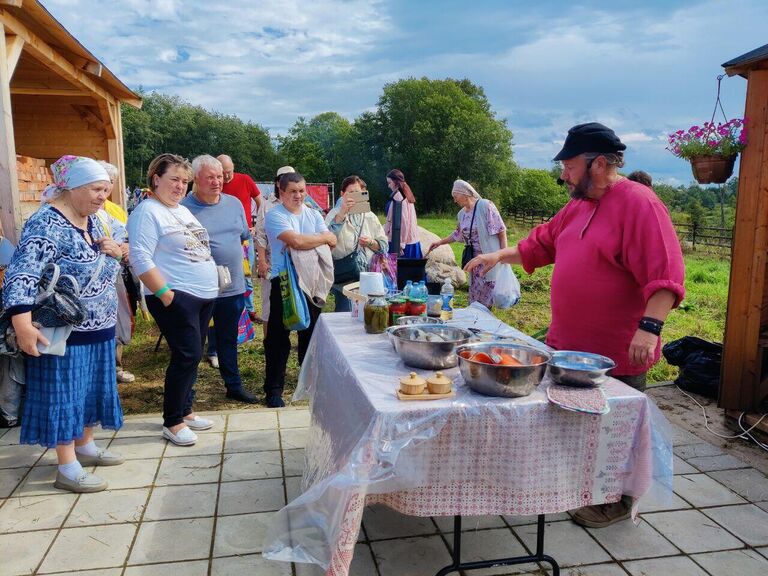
{"x":362,"y":201}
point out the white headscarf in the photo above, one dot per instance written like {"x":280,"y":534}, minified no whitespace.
{"x":465,"y":188}
{"x":70,"y":172}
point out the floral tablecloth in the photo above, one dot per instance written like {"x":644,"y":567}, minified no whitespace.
{"x":468,"y":455}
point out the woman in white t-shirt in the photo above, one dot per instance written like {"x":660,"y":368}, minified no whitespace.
{"x":170,"y":251}
{"x":290,"y":224}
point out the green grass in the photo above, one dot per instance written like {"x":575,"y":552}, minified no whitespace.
{"x":702,"y":314}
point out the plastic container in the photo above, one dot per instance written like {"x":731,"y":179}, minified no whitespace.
{"x":446,"y":294}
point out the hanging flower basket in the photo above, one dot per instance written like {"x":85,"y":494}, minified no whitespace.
{"x":712,"y":169}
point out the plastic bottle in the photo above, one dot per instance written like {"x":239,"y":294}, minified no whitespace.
{"x":407,"y":289}
{"x":421,"y":291}
{"x":446,"y":293}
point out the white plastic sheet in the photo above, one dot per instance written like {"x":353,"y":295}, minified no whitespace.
{"x":471,"y":454}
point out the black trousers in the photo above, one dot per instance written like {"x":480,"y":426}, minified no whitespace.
{"x":185,"y":325}
{"x":277,"y":344}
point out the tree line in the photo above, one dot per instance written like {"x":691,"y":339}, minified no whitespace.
{"x":433,"y":130}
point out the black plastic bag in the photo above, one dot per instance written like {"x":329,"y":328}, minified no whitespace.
{"x":699,"y":362}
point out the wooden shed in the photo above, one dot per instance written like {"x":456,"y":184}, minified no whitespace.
{"x":744,"y":379}
{"x":56,"y":98}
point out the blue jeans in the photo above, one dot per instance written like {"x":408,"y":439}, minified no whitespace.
{"x":342,"y":302}
{"x":226,"y":314}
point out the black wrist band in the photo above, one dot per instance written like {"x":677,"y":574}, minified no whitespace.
{"x":652,"y":325}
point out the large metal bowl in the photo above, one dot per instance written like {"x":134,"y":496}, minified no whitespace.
{"x":581,"y":369}
{"x":499,"y":380}
{"x":408,"y":320}
{"x":429,"y":355}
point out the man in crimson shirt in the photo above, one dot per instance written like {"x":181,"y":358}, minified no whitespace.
{"x":618,"y":269}
{"x":242,"y":187}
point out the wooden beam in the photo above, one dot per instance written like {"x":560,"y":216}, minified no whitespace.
{"x":105,"y":109}
{"x":14,"y":3}
{"x":13,"y":46}
{"x":94,"y":68}
{"x":50,"y":92}
{"x":50,"y":58}
{"x":88,"y":114}
{"x":741,"y":367}
{"x":10,"y":210}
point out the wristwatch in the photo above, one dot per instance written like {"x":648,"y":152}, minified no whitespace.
{"x":651,"y":325}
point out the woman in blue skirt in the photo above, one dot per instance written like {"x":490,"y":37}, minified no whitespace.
{"x":67,"y":395}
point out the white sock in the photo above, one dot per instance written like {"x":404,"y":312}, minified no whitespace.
{"x":71,"y":470}
{"x":89,"y":449}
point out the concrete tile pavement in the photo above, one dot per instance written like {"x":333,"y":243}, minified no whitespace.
{"x":203,"y":511}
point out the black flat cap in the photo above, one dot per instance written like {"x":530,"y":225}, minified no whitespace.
{"x":591,"y":137}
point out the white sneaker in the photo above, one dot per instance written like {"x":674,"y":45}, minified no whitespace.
{"x":214,"y":361}
{"x":198,"y":423}
{"x":184,"y":437}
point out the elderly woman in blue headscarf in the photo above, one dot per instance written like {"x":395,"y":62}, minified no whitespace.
{"x":479,"y":225}
{"x":69,"y":394}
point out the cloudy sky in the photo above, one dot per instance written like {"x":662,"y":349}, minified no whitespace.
{"x":643,"y":68}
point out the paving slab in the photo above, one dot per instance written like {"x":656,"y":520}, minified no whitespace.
{"x":682,"y":436}
{"x":680,"y":466}
{"x":291,"y":438}
{"x":20,"y":456}
{"x":266,"y":420}
{"x":411,"y":556}
{"x":241,"y":534}
{"x":687,"y":451}
{"x":142,"y":426}
{"x":692,"y":532}
{"x":252,"y":465}
{"x":21,"y":556}
{"x":195,"y":568}
{"x":735,"y":562}
{"x":294,"y":418}
{"x":702,"y":490}
{"x":109,"y":507}
{"x":139,"y":448}
{"x":670,"y":566}
{"x":189,"y":501}
{"x":362,"y":565}
{"x":251,"y":496}
{"x":89,"y":547}
{"x":293,"y":460}
{"x":38,"y":482}
{"x":566,"y":542}
{"x":521,"y":520}
{"x":252,"y":441}
{"x":9,"y":480}
{"x":382,"y":522}
{"x":172,"y":540}
{"x":749,"y":483}
{"x":198,"y":469}
{"x":748,"y":522}
{"x":469,"y":523}
{"x":719,"y":462}
{"x":626,"y":541}
{"x":130,"y":474}
{"x":488,"y":545}
{"x":35,"y":512}
{"x":252,"y":564}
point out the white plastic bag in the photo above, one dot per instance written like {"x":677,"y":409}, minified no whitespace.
{"x":506,"y":292}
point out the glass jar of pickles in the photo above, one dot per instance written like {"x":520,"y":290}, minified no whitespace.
{"x":376,"y":314}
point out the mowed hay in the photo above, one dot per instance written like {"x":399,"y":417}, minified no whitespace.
{"x":33,"y":176}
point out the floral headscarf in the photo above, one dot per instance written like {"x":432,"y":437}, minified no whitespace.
{"x":70,"y":172}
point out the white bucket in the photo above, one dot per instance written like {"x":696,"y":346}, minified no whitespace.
{"x":372,"y":283}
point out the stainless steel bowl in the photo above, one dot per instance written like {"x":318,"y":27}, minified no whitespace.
{"x":500,"y":380}
{"x":429,"y":355}
{"x":582,"y":369}
{"x":407,"y":320}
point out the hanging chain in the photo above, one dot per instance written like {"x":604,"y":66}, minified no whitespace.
{"x":718,"y":103}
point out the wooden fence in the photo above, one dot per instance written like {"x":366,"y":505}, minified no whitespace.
{"x":691,"y":235}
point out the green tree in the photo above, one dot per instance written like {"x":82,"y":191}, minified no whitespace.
{"x":436,"y":131}
{"x":534,"y":190}
{"x":168,"y":124}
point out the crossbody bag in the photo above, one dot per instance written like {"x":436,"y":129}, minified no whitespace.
{"x":469,"y":250}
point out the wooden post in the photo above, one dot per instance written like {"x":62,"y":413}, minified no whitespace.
{"x":10,"y":211}
{"x":741,"y":388}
